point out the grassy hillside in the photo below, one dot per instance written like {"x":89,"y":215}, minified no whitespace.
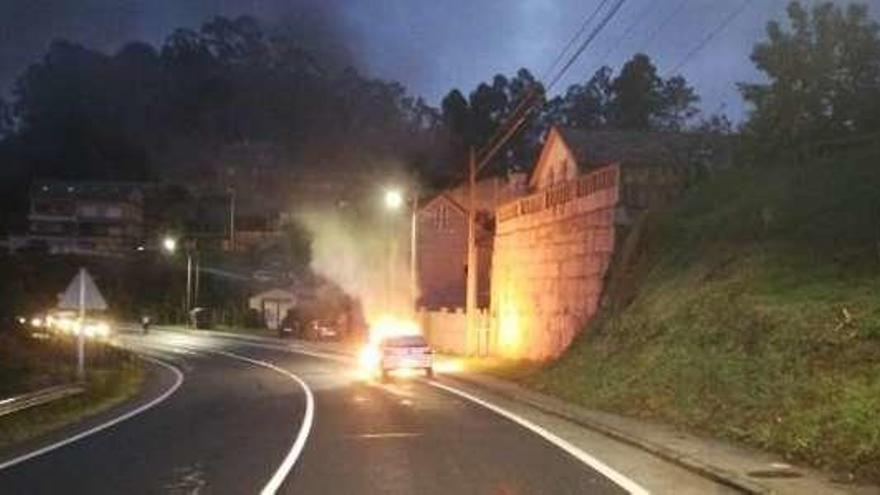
{"x":28,"y":364}
{"x":750,"y":311}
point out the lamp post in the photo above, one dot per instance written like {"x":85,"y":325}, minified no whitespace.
{"x":394,"y":200}
{"x":169,"y":244}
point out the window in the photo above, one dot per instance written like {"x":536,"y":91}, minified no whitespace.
{"x":441,"y":217}
{"x":88,"y":210}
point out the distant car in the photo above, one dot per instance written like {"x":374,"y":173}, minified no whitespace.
{"x":405,"y":352}
{"x":324,"y":330}
{"x":288,"y":328}
{"x":201,"y":318}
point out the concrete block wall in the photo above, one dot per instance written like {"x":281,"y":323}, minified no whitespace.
{"x":552,"y":252}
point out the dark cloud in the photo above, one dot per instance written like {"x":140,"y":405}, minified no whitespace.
{"x":27,"y":27}
{"x":433,"y":46}
{"x":429,"y":45}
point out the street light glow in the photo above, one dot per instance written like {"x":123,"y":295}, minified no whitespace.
{"x":169,"y":244}
{"x":393,"y":199}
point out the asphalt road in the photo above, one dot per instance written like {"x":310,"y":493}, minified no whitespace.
{"x":233,"y":426}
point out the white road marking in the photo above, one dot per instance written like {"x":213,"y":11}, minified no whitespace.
{"x":303,"y":434}
{"x":370,"y":436}
{"x":79,"y":436}
{"x":621,"y":480}
{"x":618,"y":478}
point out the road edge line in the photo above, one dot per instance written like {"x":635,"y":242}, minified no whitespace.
{"x":103,"y":426}
{"x":627,"y":484}
{"x":305,"y":428}
{"x":571,"y":449}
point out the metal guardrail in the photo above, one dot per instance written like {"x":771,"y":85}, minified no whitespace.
{"x":24,"y":401}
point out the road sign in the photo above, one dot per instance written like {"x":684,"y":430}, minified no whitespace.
{"x":82,"y":293}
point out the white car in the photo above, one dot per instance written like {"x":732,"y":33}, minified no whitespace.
{"x":405,"y":352}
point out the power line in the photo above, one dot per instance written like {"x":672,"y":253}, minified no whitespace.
{"x":517,"y":122}
{"x":587,"y":41}
{"x":665,"y":22}
{"x":574,"y":38}
{"x":626,"y":32}
{"x":517,"y":116}
{"x":532,"y":91}
{"x":708,"y":39}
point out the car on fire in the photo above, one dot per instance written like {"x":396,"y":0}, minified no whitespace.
{"x":404,"y":352}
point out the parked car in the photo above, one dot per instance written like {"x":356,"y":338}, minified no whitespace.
{"x":405,"y":352}
{"x":289,"y":328}
{"x":324,"y":330}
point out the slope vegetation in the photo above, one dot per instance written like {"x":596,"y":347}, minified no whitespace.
{"x":749,"y":311}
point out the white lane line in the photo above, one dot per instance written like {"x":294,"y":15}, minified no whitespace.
{"x":621,"y":480}
{"x":618,"y":478}
{"x":298,"y":350}
{"x":134,"y":412}
{"x":303,"y":434}
{"x":372,"y":436}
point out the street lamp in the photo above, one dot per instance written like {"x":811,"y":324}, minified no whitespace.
{"x":394,"y":200}
{"x":169,"y":244}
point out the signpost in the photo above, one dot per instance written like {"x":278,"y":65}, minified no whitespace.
{"x":81,"y":294}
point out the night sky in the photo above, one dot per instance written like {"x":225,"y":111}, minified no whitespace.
{"x":431,"y":45}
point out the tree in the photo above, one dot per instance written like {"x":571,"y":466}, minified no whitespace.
{"x":583,"y":106}
{"x":677,"y":104}
{"x":636,"y":99}
{"x":475,"y":121}
{"x":636,"y":94}
{"x":823,"y":78}
{"x":6,"y":121}
{"x":716,"y":124}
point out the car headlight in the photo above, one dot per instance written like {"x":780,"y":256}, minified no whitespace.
{"x":102,"y":330}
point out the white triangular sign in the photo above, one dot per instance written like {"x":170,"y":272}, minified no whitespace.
{"x":70,"y":298}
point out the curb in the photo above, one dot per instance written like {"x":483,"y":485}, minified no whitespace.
{"x":569,"y":412}
{"x":25,"y":401}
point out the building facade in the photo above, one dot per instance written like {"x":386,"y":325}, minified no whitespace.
{"x":554,"y":247}
{"x":442,"y":237}
{"x":89,"y":218}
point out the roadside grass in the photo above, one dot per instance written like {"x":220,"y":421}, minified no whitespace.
{"x":113,"y":376}
{"x":756,"y":317}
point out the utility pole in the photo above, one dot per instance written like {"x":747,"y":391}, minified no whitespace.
{"x":197,"y":280}
{"x":188,"y":306}
{"x":471,"y":289}
{"x":392,"y":254}
{"x":413,"y":252}
{"x":80,"y":337}
{"x":231,"y":218}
